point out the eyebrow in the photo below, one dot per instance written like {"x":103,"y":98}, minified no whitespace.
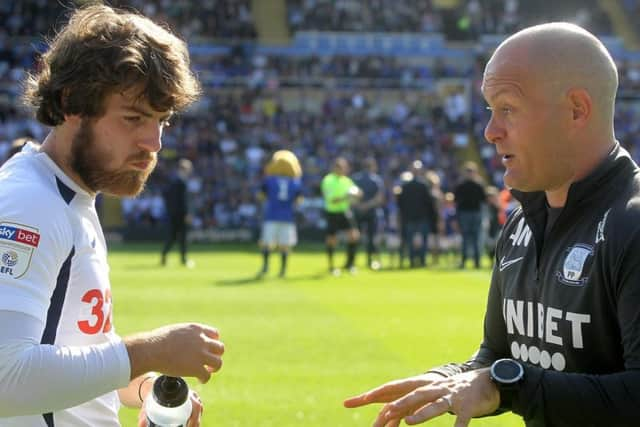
{"x":145,"y":113}
{"x":502,"y":92}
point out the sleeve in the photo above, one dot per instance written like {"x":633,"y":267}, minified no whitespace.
{"x":297,"y":185}
{"x":35,"y":239}
{"x":350,"y":183}
{"x":323,"y":186}
{"x":36,"y":378}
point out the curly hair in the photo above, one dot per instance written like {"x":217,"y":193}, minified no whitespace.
{"x":102,"y":51}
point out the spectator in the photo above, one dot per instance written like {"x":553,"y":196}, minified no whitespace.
{"x":418,"y":213}
{"x":368,"y":209}
{"x":470,"y":197}
{"x":176,"y":203}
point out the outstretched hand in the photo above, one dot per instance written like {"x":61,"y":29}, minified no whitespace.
{"x":391,"y":391}
{"x":467,"y":395}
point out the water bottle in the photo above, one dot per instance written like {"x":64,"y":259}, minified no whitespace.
{"x":168,"y":404}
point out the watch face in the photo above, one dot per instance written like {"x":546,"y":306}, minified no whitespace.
{"x":507,"y":371}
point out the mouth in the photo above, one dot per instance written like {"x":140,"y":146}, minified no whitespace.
{"x":507,"y":158}
{"x":141,"y":165}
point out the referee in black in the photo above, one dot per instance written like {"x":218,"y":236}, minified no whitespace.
{"x":176,"y":202}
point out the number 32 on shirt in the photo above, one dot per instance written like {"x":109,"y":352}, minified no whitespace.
{"x":100,"y":304}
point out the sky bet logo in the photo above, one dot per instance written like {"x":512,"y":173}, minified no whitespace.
{"x":17,"y":244}
{"x":19,"y":235}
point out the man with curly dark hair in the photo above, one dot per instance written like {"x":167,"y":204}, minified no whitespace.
{"x":107,"y":86}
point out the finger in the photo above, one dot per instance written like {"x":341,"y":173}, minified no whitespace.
{"x":355,"y":401}
{"x":196,"y":411}
{"x":210,"y":332}
{"x":385,"y":416}
{"x":380,"y":394}
{"x":415,"y":400}
{"x":394,"y":423}
{"x":213,"y":361}
{"x":462,"y":421}
{"x":214,"y":346}
{"x":429,"y":411}
{"x":142,"y":418}
{"x":381,"y":419}
{"x":203,"y":375}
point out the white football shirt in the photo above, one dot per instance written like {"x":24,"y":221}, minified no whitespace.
{"x":53,"y":268}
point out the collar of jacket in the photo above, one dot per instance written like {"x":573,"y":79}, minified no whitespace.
{"x":617,"y":165}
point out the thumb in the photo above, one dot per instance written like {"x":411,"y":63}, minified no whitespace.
{"x":203,"y":375}
{"x":462,"y":421}
{"x":142,"y":419}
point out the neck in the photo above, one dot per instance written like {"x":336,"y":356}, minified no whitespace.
{"x":557,"y":197}
{"x":57,"y":145}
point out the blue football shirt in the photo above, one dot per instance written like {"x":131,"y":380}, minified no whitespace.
{"x":281,"y":193}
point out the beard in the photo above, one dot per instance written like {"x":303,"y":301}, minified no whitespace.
{"x":88,"y":161}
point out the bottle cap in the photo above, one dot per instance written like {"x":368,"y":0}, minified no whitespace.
{"x":170,"y":392}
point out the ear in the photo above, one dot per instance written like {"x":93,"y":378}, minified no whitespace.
{"x":73,"y":119}
{"x":581,"y":106}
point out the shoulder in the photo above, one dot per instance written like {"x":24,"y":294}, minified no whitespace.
{"x":31,"y":198}
{"x":515,"y":223}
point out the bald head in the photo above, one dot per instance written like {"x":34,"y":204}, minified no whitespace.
{"x":551,"y":90}
{"x":562,"y":56}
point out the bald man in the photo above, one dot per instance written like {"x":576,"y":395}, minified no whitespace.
{"x":561,"y":342}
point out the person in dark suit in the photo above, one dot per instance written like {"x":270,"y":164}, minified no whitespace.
{"x":176,"y":203}
{"x":368,"y":209}
{"x":470,"y":197}
{"x":418,"y":214}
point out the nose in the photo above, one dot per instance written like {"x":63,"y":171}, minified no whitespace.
{"x":152,"y":139}
{"x":494,"y":132}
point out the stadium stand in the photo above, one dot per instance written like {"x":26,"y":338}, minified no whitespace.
{"x":354,"y":77}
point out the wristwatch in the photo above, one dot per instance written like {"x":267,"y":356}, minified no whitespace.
{"x":507,"y":375}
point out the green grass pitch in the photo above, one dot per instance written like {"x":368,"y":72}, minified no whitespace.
{"x":296,"y":347}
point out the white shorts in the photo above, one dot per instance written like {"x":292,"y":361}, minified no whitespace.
{"x":278,"y":233}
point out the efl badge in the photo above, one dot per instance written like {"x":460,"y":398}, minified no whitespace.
{"x":17,"y":243}
{"x":574,"y":265}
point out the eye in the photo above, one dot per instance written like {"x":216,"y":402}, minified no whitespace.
{"x":133,"y":119}
{"x":505,"y":110}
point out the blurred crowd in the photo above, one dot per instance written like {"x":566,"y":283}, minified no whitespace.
{"x":224,"y":19}
{"x":468,"y":20}
{"x":235,"y":128}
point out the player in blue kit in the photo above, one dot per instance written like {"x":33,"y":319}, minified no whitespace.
{"x":282,"y":189}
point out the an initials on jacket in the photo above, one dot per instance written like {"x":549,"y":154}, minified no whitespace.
{"x":522,"y":234}
{"x":521,"y":317}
